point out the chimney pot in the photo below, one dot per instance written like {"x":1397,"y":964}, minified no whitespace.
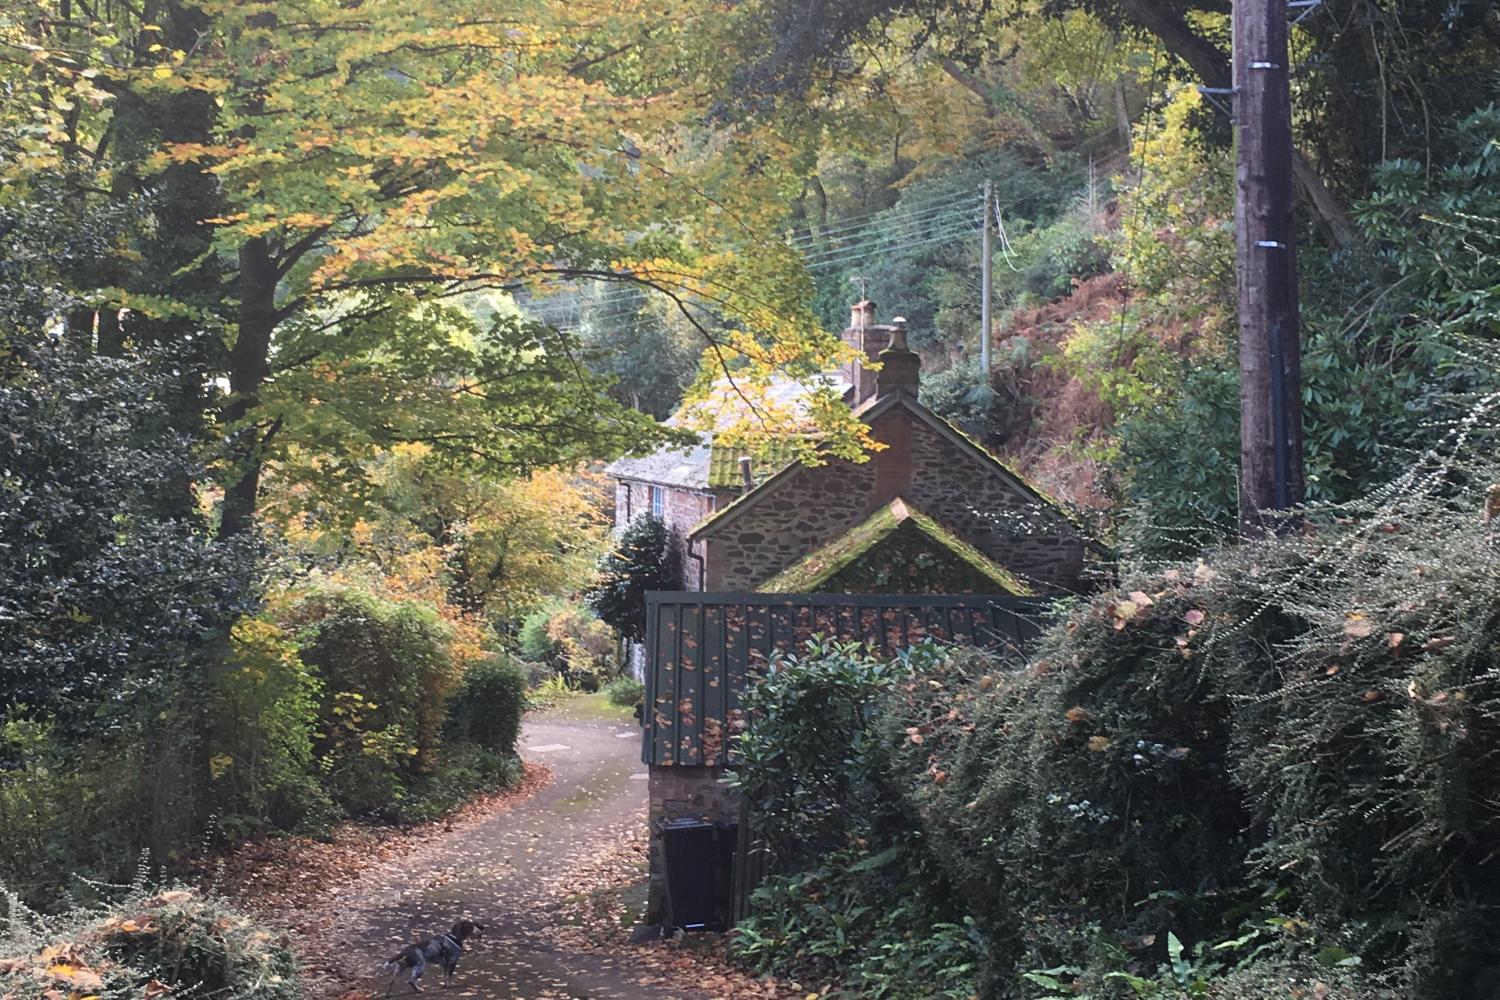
{"x":862,"y":314}
{"x":898,"y":334}
{"x":900,"y":368}
{"x":745,"y":472}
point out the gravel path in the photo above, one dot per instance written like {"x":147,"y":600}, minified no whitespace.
{"x":509,"y":870}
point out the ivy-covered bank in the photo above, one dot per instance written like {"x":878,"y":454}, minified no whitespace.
{"x":1267,"y":773}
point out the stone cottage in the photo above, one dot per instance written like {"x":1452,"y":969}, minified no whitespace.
{"x":683,"y":486}
{"x":929,"y":512}
{"x":737,"y":527}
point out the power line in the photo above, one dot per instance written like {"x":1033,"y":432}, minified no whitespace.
{"x":614,"y":315}
{"x":894,"y":226}
{"x":893,"y":235}
{"x":879,"y":220}
{"x":949,"y":229}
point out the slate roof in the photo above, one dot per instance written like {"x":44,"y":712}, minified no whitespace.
{"x":810,"y":572}
{"x":684,"y":468}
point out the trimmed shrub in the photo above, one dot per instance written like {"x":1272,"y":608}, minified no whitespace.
{"x":485,"y":709}
{"x":626,"y":692}
{"x":386,"y":674}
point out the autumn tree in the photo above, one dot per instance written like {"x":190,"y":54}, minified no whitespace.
{"x":506,"y":544}
{"x":1373,"y":78}
{"x":327,"y":182}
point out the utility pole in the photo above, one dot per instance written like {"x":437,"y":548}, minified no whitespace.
{"x":1271,"y":470}
{"x":986,"y":262}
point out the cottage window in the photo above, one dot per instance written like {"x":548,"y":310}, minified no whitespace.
{"x":658,"y":501}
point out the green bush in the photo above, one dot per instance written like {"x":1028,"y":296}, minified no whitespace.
{"x":1305,"y":719}
{"x":854,"y":897}
{"x":627,"y":692}
{"x":804,"y":764}
{"x":566,"y":635}
{"x":464,"y":770}
{"x":536,"y":643}
{"x":485,"y":709}
{"x":870,"y":922}
{"x":537,"y":674}
{"x":642,"y":559}
{"x":114,"y":602}
{"x":264,"y":768}
{"x":386,"y":673}
{"x":1266,"y":768}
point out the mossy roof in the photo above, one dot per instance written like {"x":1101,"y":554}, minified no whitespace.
{"x":817,"y":568}
{"x":770,"y":456}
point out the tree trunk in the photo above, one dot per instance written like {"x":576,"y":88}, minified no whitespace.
{"x":1122,"y":115}
{"x":819,"y":222}
{"x":992,"y":108}
{"x":1333,"y":222}
{"x":249,"y":367}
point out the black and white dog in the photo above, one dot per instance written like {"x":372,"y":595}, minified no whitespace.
{"x":444,"y":949}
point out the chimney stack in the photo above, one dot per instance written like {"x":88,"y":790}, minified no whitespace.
{"x":900,"y":368}
{"x":869,"y":339}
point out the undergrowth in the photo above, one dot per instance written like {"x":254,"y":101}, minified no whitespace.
{"x":1265,"y":773}
{"x":173,"y":943}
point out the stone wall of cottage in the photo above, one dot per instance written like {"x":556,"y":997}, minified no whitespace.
{"x":674,"y":793}
{"x":682,"y":509}
{"x":816,"y":505}
{"x":1025,"y":535}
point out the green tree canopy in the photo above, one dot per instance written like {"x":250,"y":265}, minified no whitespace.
{"x":642,"y":560}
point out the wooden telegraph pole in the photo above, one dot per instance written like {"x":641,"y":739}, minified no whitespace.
{"x":1271,"y":471}
{"x":986,"y":282}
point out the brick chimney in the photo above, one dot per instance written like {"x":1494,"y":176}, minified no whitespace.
{"x":900,"y":368}
{"x":869,"y":339}
{"x":899,"y":371}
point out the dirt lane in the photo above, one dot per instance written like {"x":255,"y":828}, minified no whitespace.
{"x":510,"y":870}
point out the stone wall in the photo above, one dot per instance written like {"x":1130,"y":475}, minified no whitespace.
{"x":682,"y":509}
{"x":945,"y":480}
{"x":812,"y":506}
{"x":1027,"y":536}
{"x":678,"y":792}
